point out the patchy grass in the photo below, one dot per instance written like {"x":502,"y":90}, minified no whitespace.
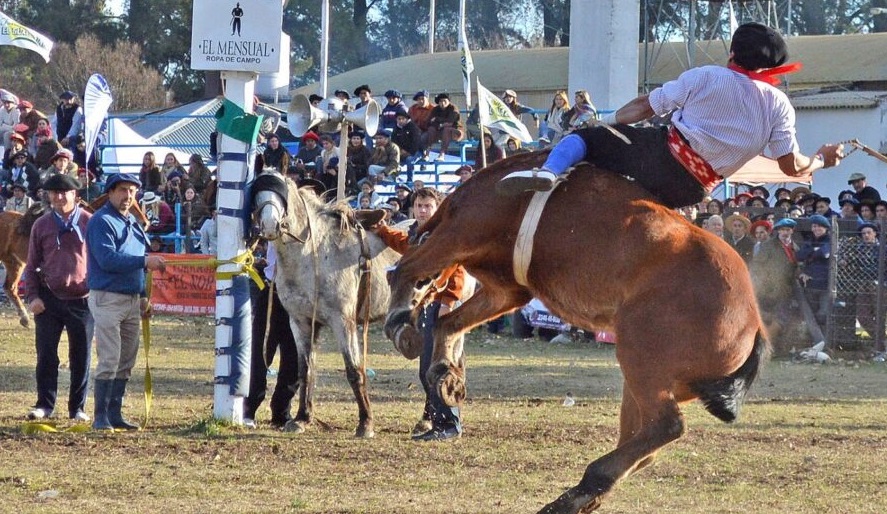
{"x":811,"y":439}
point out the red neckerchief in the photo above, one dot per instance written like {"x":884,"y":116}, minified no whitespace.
{"x":768,"y":75}
{"x":789,"y":252}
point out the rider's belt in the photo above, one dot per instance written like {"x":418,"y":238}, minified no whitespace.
{"x":692,"y":161}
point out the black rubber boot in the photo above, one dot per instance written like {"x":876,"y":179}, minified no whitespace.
{"x":115,"y":404}
{"x":102,"y":394}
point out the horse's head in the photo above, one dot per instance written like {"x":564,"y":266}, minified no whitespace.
{"x":269,"y":214}
{"x":407,"y":297}
{"x":270,"y":192}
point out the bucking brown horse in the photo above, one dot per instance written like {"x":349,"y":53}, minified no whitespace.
{"x":14,"y":255}
{"x":604,"y":256}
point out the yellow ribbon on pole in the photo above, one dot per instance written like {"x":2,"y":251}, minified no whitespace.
{"x":245,"y":260}
{"x":146,"y":335}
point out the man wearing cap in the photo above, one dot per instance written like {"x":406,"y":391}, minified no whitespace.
{"x":388,"y":118}
{"x":57,"y":296}
{"x":344,"y":96}
{"x":116,"y":263}
{"x":365,"y":94}
{"x":722,"y":117}
{"x":20,"y":201}
{"x":850,"y":209}
{"x":739,"y":238}
{"x":67,"y":123}
{"x":445,"y":125}
{"x":420,"y":111}
{"x":9,"y":117}
{"x":385,"y":160}
{"x":861,"y":191}
{"x":407,"y":136}
{"x":21,"y":172}
{"x":405,"y":195}
{"x":60,"y":163}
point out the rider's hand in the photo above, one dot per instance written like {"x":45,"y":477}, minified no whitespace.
{"x":831,"y":155}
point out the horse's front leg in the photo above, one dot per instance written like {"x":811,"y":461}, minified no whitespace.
{"x":349,"y":345}
{"x":305,"y":345}
{"x":14,"y":272}
{"x":447,"y":372}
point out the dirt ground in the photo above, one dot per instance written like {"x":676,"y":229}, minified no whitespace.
{"x":811,"y":439}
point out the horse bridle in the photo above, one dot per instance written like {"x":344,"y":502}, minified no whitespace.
{"x":284,"y":225}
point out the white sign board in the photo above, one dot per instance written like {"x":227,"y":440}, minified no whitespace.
{"x":236,"y":36}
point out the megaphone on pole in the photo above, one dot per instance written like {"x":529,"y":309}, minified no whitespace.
{"x":302,"y":116}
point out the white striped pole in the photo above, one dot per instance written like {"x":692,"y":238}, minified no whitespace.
{"x":233,"y":173}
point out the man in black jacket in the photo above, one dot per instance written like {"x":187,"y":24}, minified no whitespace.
{"x":408,"y":137}
{"x":863,"y":192}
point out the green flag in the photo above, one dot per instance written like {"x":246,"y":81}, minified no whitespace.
{"x":234,"y":122}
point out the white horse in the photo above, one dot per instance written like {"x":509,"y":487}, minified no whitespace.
{"x":331,"y":273}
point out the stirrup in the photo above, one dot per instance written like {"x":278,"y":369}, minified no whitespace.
{"x":518,"y":182}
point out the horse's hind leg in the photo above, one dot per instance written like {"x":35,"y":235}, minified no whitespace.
{"x":664,"y":424}
{"x":356,"y":375}
{"x":447,"y":370}
{"x":14,"y":270}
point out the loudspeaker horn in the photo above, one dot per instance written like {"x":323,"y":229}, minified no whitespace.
{"x":367,"y":117}
{"x":302,"y":115}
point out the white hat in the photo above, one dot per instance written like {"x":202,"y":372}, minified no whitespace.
{"x":150,"y":198}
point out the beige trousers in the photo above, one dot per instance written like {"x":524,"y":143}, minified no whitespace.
{"x":117,"y":318}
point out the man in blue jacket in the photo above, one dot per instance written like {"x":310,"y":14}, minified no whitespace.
{"x":116,"y":263}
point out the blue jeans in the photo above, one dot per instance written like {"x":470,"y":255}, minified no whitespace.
{"x":441,"y":415}
{"x":73,"y":317}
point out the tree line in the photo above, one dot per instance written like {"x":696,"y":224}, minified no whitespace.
{"x":144,"y":51}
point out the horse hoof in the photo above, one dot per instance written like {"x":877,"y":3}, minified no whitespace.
{"x":365,"y":432}
{"x":450,"y":383}
{"x":408,"y":341}
{"x":25,"y":322}
{"x":295,"y":427}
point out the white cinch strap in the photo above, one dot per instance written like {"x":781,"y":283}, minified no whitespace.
{"x":523,"y":246}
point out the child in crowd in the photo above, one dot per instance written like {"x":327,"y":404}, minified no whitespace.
{"x":368,"y":191}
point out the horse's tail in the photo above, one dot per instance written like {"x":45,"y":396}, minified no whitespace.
{"x":723,"y":397}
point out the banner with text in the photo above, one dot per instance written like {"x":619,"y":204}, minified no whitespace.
{"x":184,"y":290}
{"x":246,"y":38}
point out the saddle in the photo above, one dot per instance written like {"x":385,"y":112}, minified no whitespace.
{"x":368,"y":218}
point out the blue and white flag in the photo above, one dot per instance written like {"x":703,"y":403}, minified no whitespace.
{"x":15,"y":34}
{"x":96,"y":102}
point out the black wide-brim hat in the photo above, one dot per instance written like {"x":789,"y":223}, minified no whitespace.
{"x":756,"y":46}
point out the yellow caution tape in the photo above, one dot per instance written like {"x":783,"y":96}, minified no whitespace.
{"x":33,"y":428}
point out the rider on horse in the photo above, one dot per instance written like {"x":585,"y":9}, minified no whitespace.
{"x":722,"y":117}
